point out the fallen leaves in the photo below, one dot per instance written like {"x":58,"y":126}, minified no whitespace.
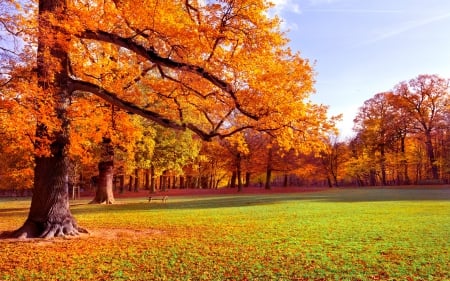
{"x":214,"y":238}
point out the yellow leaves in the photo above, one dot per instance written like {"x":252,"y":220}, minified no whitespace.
{"x":239,"y":142}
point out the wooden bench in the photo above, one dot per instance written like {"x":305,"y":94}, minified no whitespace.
{"x":161,"y":198}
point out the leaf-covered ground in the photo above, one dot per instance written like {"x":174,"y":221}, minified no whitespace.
{"x":374,"y":234}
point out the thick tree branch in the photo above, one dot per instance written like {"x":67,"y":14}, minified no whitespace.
{"x":77,"y":85}
{"x":151,"y":55}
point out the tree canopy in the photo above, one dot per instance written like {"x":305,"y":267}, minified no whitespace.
{"x":216,"y":68}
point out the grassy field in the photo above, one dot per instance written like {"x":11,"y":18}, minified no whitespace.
{"x":371,"y":234}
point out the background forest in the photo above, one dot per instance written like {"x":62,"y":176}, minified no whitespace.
{"x":401,"y":136}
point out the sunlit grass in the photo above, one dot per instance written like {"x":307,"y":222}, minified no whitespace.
{"x":332,"y":235}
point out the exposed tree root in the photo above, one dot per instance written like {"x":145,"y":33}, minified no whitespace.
{"x":47,"y":230}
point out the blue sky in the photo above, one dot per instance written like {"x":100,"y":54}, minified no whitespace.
{"x":364,"y":47}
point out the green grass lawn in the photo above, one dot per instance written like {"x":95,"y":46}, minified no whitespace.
{"x":370,"y":234}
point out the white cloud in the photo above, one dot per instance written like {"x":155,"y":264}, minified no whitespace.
{"x":282,"y":6}
{"x":320,"y":2}
{"x":355,"y":11}
{"x":407,"y":27}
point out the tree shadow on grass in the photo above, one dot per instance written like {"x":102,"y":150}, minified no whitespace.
{"x":10,"y":210}
{"x":390,"y":195}
{"x":332,"y":196}
{"x":191,"y":202}
{"x":239,"y":201}
{"x":248,"y":200}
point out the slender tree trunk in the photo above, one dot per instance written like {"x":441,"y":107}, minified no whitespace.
{"x":122,"y":183}
{"x":372,"y":172}
{"x":189,"y":182}
{"x":164,"y":181}
{"x":239,"y":171}
{"x":196,"y":182}
{"x":383,"y":165}
{"x":136,"y":180}
{"x":286,"y":180}
{"x":233,"y":180}
{"x":431,"y":156}
{"x":147,"y":179}
{"x":269,"y":169}
{"x":174,"y":182}
{"x":335,"y":180}
{"x":372,"y":177}
{"x":404,"y":162}
{"x":152,"y":179}
{"x":182,"y":182}
{"x":130,"y":183}
{"x":268,"y":178}
{"x":334,"y":169}
{"x":359,"y":181}
{"x":330,"y":184}
{"x":247,"y":179}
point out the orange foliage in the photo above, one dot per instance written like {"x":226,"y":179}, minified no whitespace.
{"x":216,"y":68}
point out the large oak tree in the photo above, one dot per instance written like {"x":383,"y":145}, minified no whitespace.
{"x":215,"y":68}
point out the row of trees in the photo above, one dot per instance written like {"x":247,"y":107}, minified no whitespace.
{"x":402,"y":137}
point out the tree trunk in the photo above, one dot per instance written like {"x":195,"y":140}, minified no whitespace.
{"x":269,"y":169}
{"x":373,"y":171}
{"x":189,"y":182}
{"x":239,"y":171}
{"x":130,"y":183}
{"x":233,"y":180}
{"x":372,"y":177}
{"x":335,"y":180}
{"x":330,"y":184}
{"x":104,"y":193}
{"x":136,"y":180}
{"x":164,"y":181}
{"x":49,"y":214}
{"x":121,"y":184}
{"x":174,"y":182}
{"x":204,"y":182}
{"x":334,"y":169}
{"x":268,"y":178}
{"x":152,"y":179}
{"x":286,"y":180}
{"x":383,"y":165}
{"x":182,"y":186}
{"x":431,"y":157}
{"x":403,"y":161}
{"x":247,"y":179}
{"x":147,"y":179}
